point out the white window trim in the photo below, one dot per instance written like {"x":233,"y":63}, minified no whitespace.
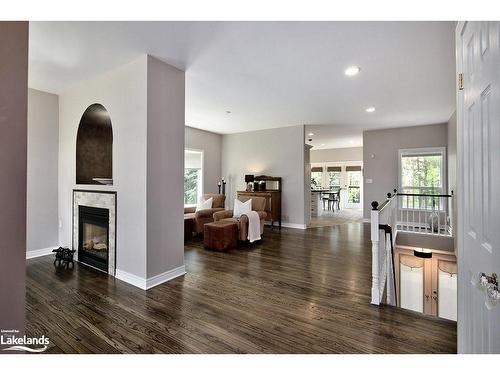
{"x":202,"y":177}
{"x":424,"y":151}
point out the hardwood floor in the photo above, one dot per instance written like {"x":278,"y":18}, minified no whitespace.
{"x":295,"y":292}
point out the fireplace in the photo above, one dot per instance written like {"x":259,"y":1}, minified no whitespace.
{"x":93,"y":236}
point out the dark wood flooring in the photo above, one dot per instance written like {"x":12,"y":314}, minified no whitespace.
{"x":295,"y":292}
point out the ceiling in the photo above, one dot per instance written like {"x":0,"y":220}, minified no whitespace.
{"x":332,"y":136}
{"x":268,"y":74}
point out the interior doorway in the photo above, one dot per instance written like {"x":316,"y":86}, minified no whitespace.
{"x":342,"y":181}
{"x":346,"y":177}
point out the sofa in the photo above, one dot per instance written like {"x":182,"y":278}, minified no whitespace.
{"x":203,"y":217}
{"x":258,"y":204}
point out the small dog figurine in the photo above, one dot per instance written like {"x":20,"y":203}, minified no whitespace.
{"x":64,"y":257}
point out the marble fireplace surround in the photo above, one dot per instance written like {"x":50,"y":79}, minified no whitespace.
{"x":100,"y":199}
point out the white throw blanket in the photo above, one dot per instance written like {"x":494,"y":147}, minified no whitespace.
{"x":253,"y":226}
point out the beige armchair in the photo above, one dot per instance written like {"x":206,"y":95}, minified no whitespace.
{"x":258,"y":204}
{"x":205,"y":216}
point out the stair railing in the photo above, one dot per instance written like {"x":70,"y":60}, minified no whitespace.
{"x":383,"y":222}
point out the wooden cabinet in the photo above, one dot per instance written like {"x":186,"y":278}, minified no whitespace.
{"x":273,"y":203}
{"x":426,"y":285}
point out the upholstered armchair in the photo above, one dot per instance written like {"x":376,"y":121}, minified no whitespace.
{"x":258,"y":204}
{"x":203,"y":217}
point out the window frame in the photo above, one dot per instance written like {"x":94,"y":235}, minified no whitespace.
{"x":202,"y":174}
{"x":423,"y":151}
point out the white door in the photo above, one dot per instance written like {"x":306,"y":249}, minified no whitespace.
{"x":478,"y":120}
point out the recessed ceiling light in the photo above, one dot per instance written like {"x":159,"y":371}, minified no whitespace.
{"x":352,"y":71}
{"x":310,"y":134}
{"x":322,"y":144}
{"x":370,"y":109}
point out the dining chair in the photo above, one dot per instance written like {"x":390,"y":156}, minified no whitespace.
{"x":326,"y":198}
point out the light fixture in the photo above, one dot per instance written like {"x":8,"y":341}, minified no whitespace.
{"x":422,"y":253}
{"x":370,"y":109}
{"x":310,"y":134}
{"x":352,"y":71}
{"x":228,"y":112}
{"x":323,"y":144}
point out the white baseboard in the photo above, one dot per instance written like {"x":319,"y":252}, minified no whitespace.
{"x":287,"y":225}
{"x":40,"y":252}
{"x":150,"y":282}
{"x":130,"y":278}
{"x":294,"y":226}
{"x":165,"y":276}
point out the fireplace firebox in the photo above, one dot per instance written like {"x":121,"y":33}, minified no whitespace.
{"x":93,"y":236}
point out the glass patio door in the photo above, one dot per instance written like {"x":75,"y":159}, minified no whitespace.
{"x":354,"y":184}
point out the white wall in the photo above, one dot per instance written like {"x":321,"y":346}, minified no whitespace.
{"x":274,"y":152}
{"x":384,"y":145}
{"x":337,"y":154}
{"x":123,"y":92}
{"x":165,"y":168}
{"x":42,"y":186}
{"x":211,"y":144}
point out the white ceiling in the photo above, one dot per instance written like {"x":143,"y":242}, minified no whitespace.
{"x":268,"y":74}
{"x":332,"y":136}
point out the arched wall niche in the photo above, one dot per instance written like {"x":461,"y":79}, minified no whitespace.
{"x":94,"y":147}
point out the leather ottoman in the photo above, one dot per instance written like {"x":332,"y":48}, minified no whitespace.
{"x":220,"y":235}
{"x":188,"y":227}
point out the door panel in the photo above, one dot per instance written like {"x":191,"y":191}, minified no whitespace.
{"x":478,"y":58}
{"x":412,"y":288}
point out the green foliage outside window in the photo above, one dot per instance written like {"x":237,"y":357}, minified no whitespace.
{"x":334,"y":178}
{"x":316,"y":180}
{"x":191,"y":185}
{"x":421,"y":174}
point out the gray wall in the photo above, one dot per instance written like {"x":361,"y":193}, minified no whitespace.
{"x":452,"y":171}
{"x":211,"y":144}
{"x":123,"y":91}
{"x":43,"y":141}
{"x":384,"y":145}
{"x":13,"y":160}
{"x":275,"y":152}
{"x":165,"y":168}
{"x":337,"y":154}
{"x":452,"y":152}
{"x":307,"y":183}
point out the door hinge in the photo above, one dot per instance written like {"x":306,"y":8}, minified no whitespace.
{"x":460,"y":81}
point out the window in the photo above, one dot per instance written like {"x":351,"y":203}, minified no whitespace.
{"x":193,"y":176}
{"x":421,"y":171}
{"x":317,"y":177}
{"x":334,"y":177}
{"x":354,"y":184}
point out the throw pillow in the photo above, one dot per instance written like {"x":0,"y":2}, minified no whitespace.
{"x":204,"y":205}
{"x":241,"y":208}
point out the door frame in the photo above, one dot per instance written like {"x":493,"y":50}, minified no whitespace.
{"x":343,"y":178}
{"x":461,"y":287}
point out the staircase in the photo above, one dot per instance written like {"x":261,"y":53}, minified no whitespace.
{"x":413,"y":259}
